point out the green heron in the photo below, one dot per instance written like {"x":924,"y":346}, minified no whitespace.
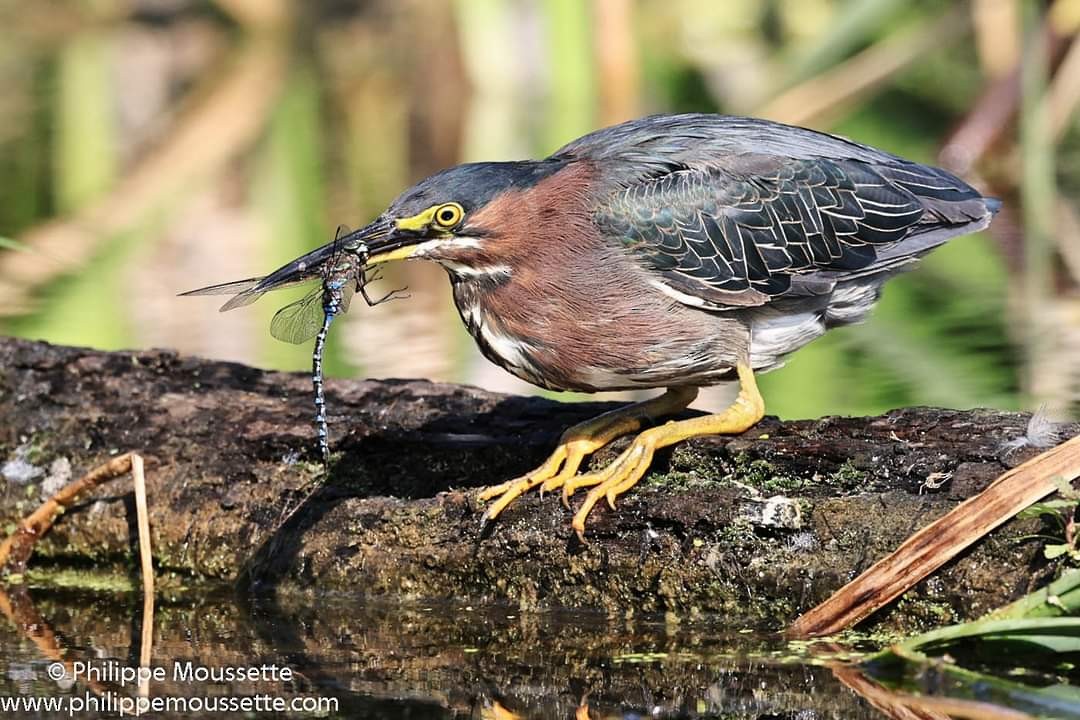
{"x":674,"y":251}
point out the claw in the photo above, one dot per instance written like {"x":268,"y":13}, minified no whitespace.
{"x":560,"y":469}
{"x":627,"y":469}
{"x":554,"y":483}
{"x":567,"y":491}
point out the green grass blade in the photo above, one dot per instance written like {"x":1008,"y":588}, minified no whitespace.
{"x":9,"y":244}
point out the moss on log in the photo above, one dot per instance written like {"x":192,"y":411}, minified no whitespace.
{"x":758,"y":527}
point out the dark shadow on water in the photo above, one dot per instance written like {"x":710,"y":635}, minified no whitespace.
{"x":317,"y":677}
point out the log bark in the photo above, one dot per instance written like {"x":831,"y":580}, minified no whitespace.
{"x":758,"y":527}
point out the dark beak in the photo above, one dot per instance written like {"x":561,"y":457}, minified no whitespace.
{"x":376,"y":242}
{"x":361,"y":242}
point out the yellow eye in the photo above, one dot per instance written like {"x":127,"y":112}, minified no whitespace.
{"x":448,"y":215}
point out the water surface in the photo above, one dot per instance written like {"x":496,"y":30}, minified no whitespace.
{"x":418,"y":661}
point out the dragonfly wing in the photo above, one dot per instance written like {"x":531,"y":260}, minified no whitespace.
{"x":299,"y":321}
{"x":347,"y":293}
{"x":229,"y":288}
{"x":244,"y":298}
{"x":245,"y":292}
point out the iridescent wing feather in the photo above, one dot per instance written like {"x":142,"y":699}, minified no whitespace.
{"x":758,"y":227}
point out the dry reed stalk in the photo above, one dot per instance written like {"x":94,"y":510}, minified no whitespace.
{"x":902,"y":706}
{"x":940,"y":541}
{"x":15,"y":549}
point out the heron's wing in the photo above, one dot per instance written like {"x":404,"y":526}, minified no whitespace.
{"x":658,"y":143}
{"x":762,"y":226}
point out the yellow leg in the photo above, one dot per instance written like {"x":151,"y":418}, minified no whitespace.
{"x":581,"y":440}
{"x":630,"y":466}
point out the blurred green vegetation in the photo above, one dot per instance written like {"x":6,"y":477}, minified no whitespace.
{"x":120,"y":192}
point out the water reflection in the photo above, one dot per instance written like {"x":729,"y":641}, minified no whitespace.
{"x":430,"y":661}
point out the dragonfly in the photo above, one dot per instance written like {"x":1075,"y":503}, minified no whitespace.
{"x":342,"y":267}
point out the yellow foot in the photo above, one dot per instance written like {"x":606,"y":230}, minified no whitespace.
{"x":580,"y":441}
{"x":562,"y":463}
{"x":630,"y":466}
{"x":615,"y":479}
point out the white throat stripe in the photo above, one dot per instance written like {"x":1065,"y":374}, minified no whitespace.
{"x":426,"y":248}
{"x":470,"y":271}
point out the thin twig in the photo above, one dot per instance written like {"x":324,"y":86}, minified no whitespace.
{"x":142,"y":515}
{"x":15,"y":549}
{"x":143,"y":518}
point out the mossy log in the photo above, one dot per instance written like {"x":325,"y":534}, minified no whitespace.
{"x":757,"y":527}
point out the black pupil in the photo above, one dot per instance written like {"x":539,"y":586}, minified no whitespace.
{"x":446,"y":216}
